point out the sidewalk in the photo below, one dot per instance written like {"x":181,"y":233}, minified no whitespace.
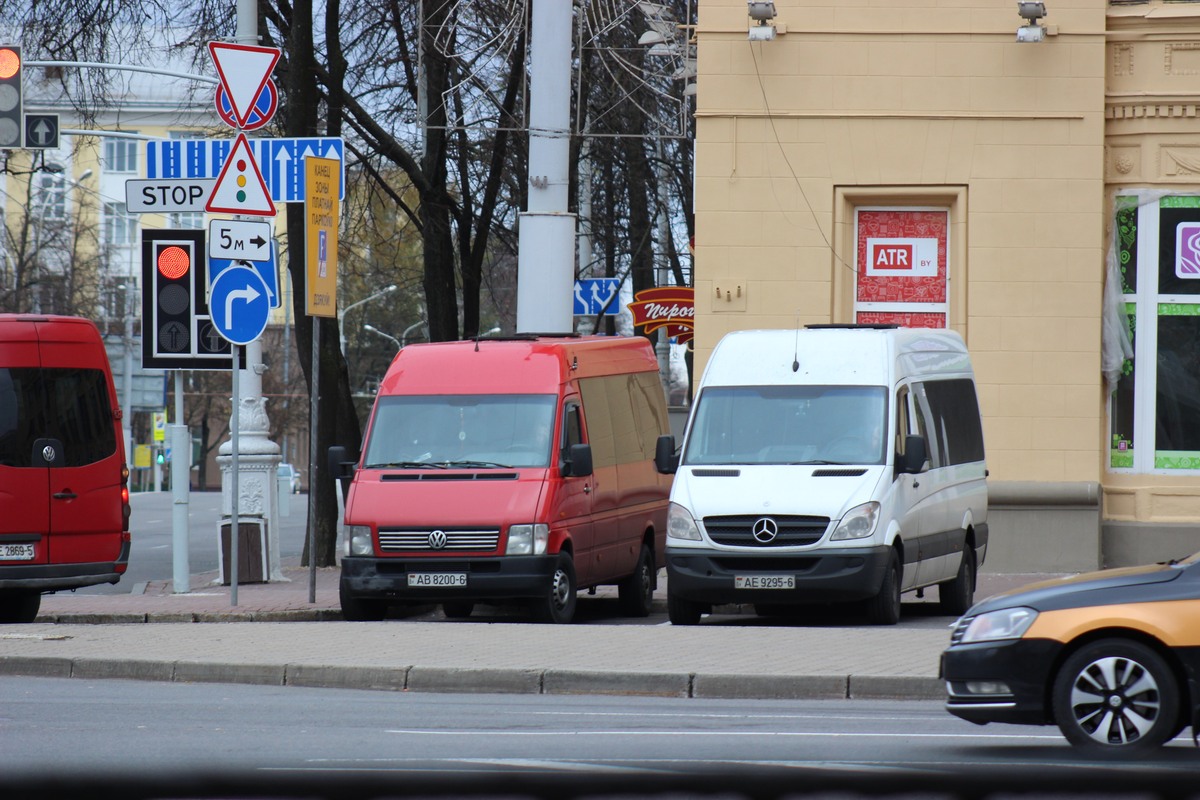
{"x":298,"y":643}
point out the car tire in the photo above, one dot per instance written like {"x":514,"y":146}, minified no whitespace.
{"x":635,"y":594}
{"x":355,"y":609}
{"x":955,"y":597}
{"x":681,"y":611}
{"x":19,"y":607}
{"x":1117,"y":697}
{"x":884,"y":607}
{"x":459,"y":610}
{"x":557,"y":606}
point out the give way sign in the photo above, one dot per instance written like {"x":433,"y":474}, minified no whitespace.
{"x":244,"y":70}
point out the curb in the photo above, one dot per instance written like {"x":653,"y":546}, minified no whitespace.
{"x":488,"y":681}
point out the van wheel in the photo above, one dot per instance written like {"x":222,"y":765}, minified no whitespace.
{"x":636,"y":593}
{"x":956,"y":596}
{"x":1117,"y":697}
{"x":682,"y":612}
{"x":459,"y":610}
{"x":884,"y":608}
{"x":355,"y":609}
{"x":558,"y":604}
{"x":19,"y":606}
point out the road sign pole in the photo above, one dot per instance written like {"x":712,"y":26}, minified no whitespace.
{"x":234,"y":523}
{"x":181,"y":455}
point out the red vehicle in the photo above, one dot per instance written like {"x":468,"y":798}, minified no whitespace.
{"x":64,"y":482}
{"x":506,"y":470}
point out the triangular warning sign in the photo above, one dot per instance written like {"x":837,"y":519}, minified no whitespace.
{"x":244,"y":70}
{"x":240,"y":188}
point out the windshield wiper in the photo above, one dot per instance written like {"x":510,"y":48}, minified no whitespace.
{"x":477,"y":464}
{"x":404,"y":465}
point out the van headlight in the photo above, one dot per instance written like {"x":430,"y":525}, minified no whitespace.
{"x":358,"y":540}
{"x":527,"y":540}
{"x":680,"y":524}
{"x":858,"y":523}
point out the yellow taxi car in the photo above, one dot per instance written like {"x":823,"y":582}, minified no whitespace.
{"x":1111,"y":657}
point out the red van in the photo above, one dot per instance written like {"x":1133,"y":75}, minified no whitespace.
{"x":500,"y":470}
{"x":64,"y":482}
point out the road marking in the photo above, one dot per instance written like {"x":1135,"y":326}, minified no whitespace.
{"x":991,"y":737}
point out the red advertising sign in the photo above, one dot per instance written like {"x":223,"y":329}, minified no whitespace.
{"x":669,"y":307}
{"x":901,"y":266}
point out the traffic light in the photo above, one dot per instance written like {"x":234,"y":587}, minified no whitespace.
{"x":12,"y":122}
{"x":173,"y":285}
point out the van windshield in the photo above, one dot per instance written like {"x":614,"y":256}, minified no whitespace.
{"x":789,"y":425}
{"x":475,"y":431}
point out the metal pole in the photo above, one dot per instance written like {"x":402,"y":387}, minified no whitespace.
{"x":314,"y":395}
{"x":234,"y":523}
{"x":181,"y":462}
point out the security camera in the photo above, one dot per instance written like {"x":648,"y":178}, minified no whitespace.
{"x":761,"y":10}
{"x":1031,"y":33}
{"x":1031,"y":10}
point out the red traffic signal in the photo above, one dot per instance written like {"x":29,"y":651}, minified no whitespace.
{"x":173,"y":262}
{"x":10,"y":62}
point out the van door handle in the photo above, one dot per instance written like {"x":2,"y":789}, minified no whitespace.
{"x":587,"y":489}
{"x":67,"y":495}
{"x":916,"y":483}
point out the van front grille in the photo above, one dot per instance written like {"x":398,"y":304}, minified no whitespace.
{"x":791,"y":530}
{"x":410,"y":541}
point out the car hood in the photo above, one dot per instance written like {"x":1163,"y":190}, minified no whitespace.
{"x":815,"y":490}
{"x":1090,"y":588}
{"x":398,"y":498}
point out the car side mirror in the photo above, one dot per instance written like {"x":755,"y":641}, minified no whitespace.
{"x":666,"y":460}
{"x":579,"y":461}
{"x":916,"y":453}
{"x":340,"y":468}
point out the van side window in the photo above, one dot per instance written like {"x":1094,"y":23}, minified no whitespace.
{"x":572,"y":428}
{"x":955,"y":408}
{"x":606,"y":406}
{"x":927,"y":427}
{"x":902,"y":423}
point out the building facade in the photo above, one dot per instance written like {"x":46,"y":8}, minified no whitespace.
{"x":912,"y":162}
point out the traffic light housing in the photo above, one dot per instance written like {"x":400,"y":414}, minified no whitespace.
{"x":12,"y":106}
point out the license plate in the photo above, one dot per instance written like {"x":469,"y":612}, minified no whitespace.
{"x":17,"y":552}
{"x":764,"y":581}
{"x":437,"y":579}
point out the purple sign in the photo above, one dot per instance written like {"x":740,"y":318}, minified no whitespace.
{"x":1187,"y":250}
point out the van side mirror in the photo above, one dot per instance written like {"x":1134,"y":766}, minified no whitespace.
{"x":340,"y":468}
{"x":579,"y":461}
{"x":666,"y":460}
{"x":916,"y":452}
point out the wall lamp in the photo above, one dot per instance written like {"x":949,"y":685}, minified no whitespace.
{"x":1031,"y":12}
{"x":762,"y":12}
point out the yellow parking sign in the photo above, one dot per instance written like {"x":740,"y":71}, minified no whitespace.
{"x":160,"y":426}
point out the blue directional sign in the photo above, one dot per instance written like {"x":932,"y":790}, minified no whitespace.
{"x":239,"y":305}
{"x":267,"y":270}
{"x":597,"y":296}
{"x":280,"y":161}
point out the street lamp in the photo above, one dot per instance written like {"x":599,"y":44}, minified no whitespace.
{"x":342,"y":314}
{"x":373,"y":329}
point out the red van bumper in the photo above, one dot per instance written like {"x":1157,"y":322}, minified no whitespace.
{"x":499,"y":578}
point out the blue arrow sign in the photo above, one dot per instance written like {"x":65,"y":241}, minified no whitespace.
{"x":280,"y":161}
{"x":597,"y":295}
{"x":239,"y":304}
{"x":267,"y":270}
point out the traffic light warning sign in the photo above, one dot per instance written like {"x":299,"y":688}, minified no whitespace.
{"x":240,"y":187}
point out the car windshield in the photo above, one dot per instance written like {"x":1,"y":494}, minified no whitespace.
{"x":474,"y":431}
{"x":789,"y":425}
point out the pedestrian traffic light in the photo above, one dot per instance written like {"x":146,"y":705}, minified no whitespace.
{"x":12,"y":122}
{"x":173,"y":285}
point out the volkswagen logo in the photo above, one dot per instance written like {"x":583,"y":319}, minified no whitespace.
{"x":437,"y":540}
{"x":48,"y":454}
{"x":765,"y":529}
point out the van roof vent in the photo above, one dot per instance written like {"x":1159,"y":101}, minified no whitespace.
{"x":860,"y":326}
{"x":449,"y":476}
{"x":716,"y":473}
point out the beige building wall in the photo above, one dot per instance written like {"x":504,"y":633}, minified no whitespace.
{"x":929,"y":104}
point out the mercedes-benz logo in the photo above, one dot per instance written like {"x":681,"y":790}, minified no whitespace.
{"x":437,"y":540}
{"x":764,"y":529}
